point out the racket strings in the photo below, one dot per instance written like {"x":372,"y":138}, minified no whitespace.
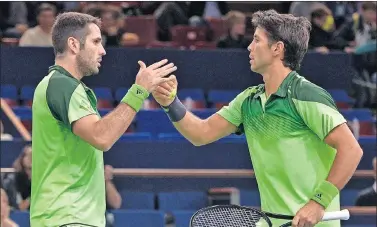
{"x":228,"y":217}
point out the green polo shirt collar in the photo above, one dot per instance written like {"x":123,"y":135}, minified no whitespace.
{"x":283,"y":88}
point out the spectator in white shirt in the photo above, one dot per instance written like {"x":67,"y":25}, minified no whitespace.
{"x":40,"y":35}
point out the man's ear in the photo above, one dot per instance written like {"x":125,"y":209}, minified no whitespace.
{"x":278,"y":48}
{"x":73,"y":45}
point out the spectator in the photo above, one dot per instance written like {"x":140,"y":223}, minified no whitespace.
{"x":4,"y":136}
{"x":5,"y":220}
{"x":113,"y":198}
{"x":303,"y":9}
{"x":40,"y":35}
{"x":22,"y":165}
{"x":321,"y":35}
{"x":13,"y":18}
{"x":112,"y":30}
{"x":368,"y":197}
{"x":341,"y":11}
{"x":361,"y":28}
{"x":236,"y":23}
{"x":208,"y":9}
{"x":168,"y":14}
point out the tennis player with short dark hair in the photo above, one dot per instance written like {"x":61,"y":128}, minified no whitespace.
{"x":302,"y":151}
{"x":69,"y":136}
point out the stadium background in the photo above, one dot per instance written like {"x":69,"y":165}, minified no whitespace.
{"x":161,"y":178}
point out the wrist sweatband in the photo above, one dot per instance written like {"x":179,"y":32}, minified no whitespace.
{"x":325,"y":193}
{"x":176,"y":110}
{"x":135,"y":97}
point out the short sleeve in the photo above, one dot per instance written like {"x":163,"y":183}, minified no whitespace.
{"x":67,"y":99}
{"x":79,"y":105}
{"x":318,"y":110}
{"x":233,"y":111}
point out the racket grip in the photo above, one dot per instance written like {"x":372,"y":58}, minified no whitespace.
{"x":336,"y":215}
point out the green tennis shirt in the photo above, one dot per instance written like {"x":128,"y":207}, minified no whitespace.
{"x":68,"y":184}
{"x":285,"y":136}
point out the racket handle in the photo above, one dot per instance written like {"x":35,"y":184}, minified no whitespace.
{"x":336,"y":215}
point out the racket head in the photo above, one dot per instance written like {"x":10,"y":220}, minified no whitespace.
{"x":229,"y":216}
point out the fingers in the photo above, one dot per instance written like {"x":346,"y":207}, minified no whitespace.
{"x":167,"y":86}
{"x":165,"y":80}
{"x":167,"y":71}
{"x":165,"y":67}
{"x":295,"y":221}
{"x":158,"y":64}
{"x":162,"y":91}
{"x":142,"y":65}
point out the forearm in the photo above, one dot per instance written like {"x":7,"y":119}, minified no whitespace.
{"x":110,"y":128}
{"x":344,"y":166}
{"x":192,"y":128}
{"x":112,"y":196}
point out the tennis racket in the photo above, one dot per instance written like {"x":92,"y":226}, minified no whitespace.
{"x":240,"y":216}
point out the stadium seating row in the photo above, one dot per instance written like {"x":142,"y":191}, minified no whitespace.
{"x":155,"y":121}
{"x":133,"y":218}
{"x":139,"y":208}
{"x":107,"y":98}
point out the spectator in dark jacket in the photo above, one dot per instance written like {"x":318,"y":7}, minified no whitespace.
{"x":361,"y":28}
{"x":321,"y":35}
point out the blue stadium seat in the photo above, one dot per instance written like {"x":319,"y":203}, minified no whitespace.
{"x":194,"y":94}
{"x":103,"y":93}
{"x":365,"y":120}
{"x":9,"y":94}
{"x":348,"y":197}
{"x":8,"y":91}
{"x":23,"y":112}
{"x":136,"y":136}
{"x":156,"y":121}
{"x":27,"y":94}
{"x":104,"y":97}
{"x":133,"y":218}
{"x":22,"y":218}
{"x":169,"y":201}
{"x":249,"y":198}
{"x":219,"y":98}
{"x":341,"y":98}
{"x":360,"y":114}
{"x":192,"y":98}
{"x":153,"y":121}
{"x":339,"y":95}
{"x":120,"y":93}
{"x":137,"y":200}
{"x":182,"y":217}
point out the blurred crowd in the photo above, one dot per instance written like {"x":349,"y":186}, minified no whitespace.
{"x":341,"y":26}
{"x":16,"y":188}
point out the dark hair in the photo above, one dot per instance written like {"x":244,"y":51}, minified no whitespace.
{"x":368,"y":6}
{"x":71,"y":24}
{"x":293,"y":31}
{"x":46,"y":7}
